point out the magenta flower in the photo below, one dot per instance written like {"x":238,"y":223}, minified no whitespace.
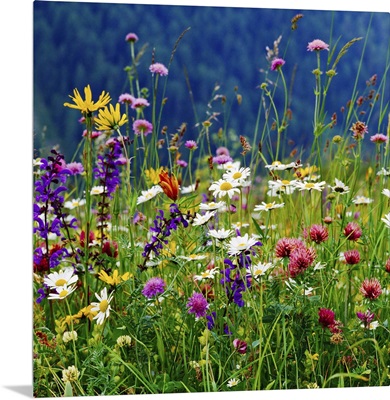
{"x":240,"y":346}
{"x":379,"y":138}
{"x":317,"y":45}
{"x":366,"y":317}
{"x":142,"y":127}
{"x":126,"y":98}
{"x":387,"y":265}
{"x":75,"y":168}
{"x":352,"y":257}
{"x":318,"y":233}
{"x":352,"y":231}
{"x":277,"y":63}
{"x":153,"y":287}
{"x":326,"y":317}
{"x":371,"y":288}
{"x":285,"y":246}
{"x":181,"y":163}
{"x":191,"y":144}
{"x":222,"y":159}
{"x":300,"y":259}
{"x":159,"y":69}
{"x":94,"y":134}
{"x":222,"y":151}
{"x":197,"y":304}
{"x":131,"y":37}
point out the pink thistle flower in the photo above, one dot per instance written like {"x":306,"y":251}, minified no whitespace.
{"x":352,"y":257}
{"x":131,"y":37}
{"x":126,"y":98}
{"x":191,"y":144}
{"x":318,"y":233}
{"x":153,"y":287}
{"x":197,"y":304}
{"x":317,"y":45}
{"x":139,"y":103}
{"x":159,"y":69}
{"x":75,"y":167}
{"x":277,"y":63}
{"x":240,"y":346}
{"x":222,"y":159}
{"x":300,"y":259}
{"x":222,"y":151}
{"x":379,"y":138}
{"x":326,"y":317}
{"x":142,"y":127}
{"x":359,"y":129}
{"x":285,"y":246}
{"x":371,"y":288}
{"x":352,"y":231}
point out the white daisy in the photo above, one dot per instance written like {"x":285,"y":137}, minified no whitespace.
{"x":203,"y":219}
{"x":57,"y":280}
{"x":281,"y":186}
{"x":237,"y":175}
{"x":223,"y":187}
{"x":146,"y":195}
{"x":383,"y":172}
{"x":239,"y":225}
{"x":220,"y":234}
{"x":278,"y":166}
{"x":61,"y":292}
{"x":188,"y":189}
{"x":386,"y":220}
{"x":362,"y":200}
{"x":373,"y":325}
{"x":259,"y":269}
{"x":98,"y":190}
{"x":208,"y":274}
{"x":319,"y":186}
{"x":233,"y":382}
{"x":241,"y":243}
{"x":193,"y":257}
{"x":340,"y":187}
{"x":71,"y":204}
{"x":230,"y":165}
{"x":386,"y":192}
{"x":220,"y":205}
{"x":103,"y":306}
{"x":267,"y":206}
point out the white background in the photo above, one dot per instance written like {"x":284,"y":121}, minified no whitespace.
{"x":16,"y":38}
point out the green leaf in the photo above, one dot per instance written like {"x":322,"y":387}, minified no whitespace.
{"x":68,"y":390}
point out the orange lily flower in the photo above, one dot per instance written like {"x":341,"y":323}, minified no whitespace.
{"x":169,"y":185}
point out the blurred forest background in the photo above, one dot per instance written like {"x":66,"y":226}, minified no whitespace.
{"x":76,"y":44}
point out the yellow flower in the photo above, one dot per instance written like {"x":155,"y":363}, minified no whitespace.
{"x":110,"y":118}
{"x":87,"y":106}
{"x":152,"y":175}
{"x":115,"y":279}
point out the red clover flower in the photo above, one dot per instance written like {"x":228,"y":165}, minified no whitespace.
{"x":371,"y":288}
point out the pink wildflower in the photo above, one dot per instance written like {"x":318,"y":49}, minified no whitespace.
{"x":317,"y":45}
{"x":159,"y":69}
{"x":75,"y":167}
{"x":371,"y":288}
{"x":359,"y":129}
{"x":277,"y":63}
{"x":326,"y":317}
{"x":131,"y":37}
{"x":300,"y":259}
{"x":352,"y":257}
{"x":197,"y":304}
{"x":240,"y":346}
{"x":139,"y":103}
{"x":318,"y":233}
{"x":379,"y":138}
{"x":352,"y":231}
{"x":191,"y":144}
{"x":142,"y":127}
{"x":126,"y":98}
{"x":285,"y":246}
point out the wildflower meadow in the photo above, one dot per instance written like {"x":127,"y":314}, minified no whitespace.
{"x":168,"y":262}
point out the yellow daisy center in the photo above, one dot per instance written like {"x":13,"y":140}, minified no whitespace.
{"x":225,"y":186}
{"x":276,"y":163}
{"x":192,"y":256}
{"x":61,"y":282}
{"x":269,"y":205}
{"x":63,"y":294}
{"x":285,"y":182}
{"x":237,"y":175}
{"x":258,"y":272}
{"x":310,"y":185}
{"x":103,"y":306}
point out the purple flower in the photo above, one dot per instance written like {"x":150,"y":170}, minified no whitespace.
{"x":131,"y":37}
{"x":181,"y":163}
{"x":277,"y":63}
{"x":211,"y":320}
{"x":366,"y":317}
{"x":142,"y":127}
{"x":222,"y":159}
{"x":159,"y":69}
{"x":317,"y":45}
{"x":153,"y":287}
{"x":197,"y":304}
{"x":191,"y":144}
